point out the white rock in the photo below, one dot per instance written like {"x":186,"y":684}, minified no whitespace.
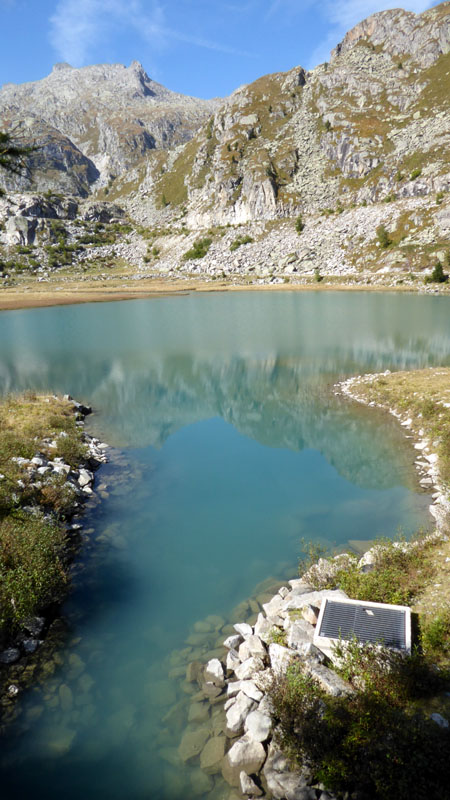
{"x":251,"y":690}
{"x":232,"y":661}
{"x":233,"y":642}
{"x":85,"y":477}
{"x":248,"y":786}
{"x":263,"y":628}
{"x":280,"y":657}
{"x":258,"y":725}
{"x":299,"y":632}
{"x":440,"y":720}
{"x":312,"y":598}
{"x":237,"y":714}
{"x":274,"y":606}
{"x":243,"y":628}
{"x":214,"y":672}
{"x":245,"y":755}
{"x":252,"y":646}
{"x":248,"y":668}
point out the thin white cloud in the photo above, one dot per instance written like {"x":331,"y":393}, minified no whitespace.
{"x":345,"y":14}
{"x":77,"y":26}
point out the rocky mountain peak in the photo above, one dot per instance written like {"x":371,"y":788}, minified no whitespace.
{"x":422,"y":37}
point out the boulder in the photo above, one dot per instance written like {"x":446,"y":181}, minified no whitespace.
{"x":263,"y":628}
{"x":233,"y":642}
{"x":248,"y":786}
{"x":248,"y":668}
{"x":258,"y":725}
{"x":298,"y":601}
{"x":212,"y":755}
{"x":243,"y":628}
{"x":274,"y":606}
{"x":328,"y":679}
{"x":245,"y":755}
{"x":232,"y":661}
{"x":299,"y":632}
{"x":10,"y":655}
{"x":198,"y":712}
{"x":282,"y":782}
{"x":280,"y":657}
{"x":193,"y":671}
{"x":252,"y":646}
{"x":214,"y":672}
{"x":251,"y":690}
{"x":237,"y":714}
{"x":192,"y":743}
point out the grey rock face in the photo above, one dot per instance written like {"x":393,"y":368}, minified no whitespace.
{"x":97,"y":120}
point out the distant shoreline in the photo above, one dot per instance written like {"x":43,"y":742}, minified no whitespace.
{"x":37,"y":297}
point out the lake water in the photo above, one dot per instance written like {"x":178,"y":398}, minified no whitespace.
{"x":230,"y":448}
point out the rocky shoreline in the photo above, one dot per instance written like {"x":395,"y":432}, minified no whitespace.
{"x":19,"y":654}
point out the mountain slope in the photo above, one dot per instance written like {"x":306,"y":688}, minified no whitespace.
{"x":107,"y":114}
{"x":356,"y":127}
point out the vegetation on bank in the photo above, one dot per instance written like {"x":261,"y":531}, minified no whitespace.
{"x":32,"y":560}
{"x":363,"y":742}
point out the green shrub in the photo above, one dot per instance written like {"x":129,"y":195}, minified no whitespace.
{"x":383,"y":236}
{"x":399,"y":176}
{"x":416,"y":173}
{"x":30,"y":567}
{"x":299,"y":224}
{"x":438,"y":275}
{"x":435,"y":634}
{"x":317,"y":276}
{"x":199,"y":249}
{"x":439,"y":198}
{"x":240,"y":241}
{"x":369,"y":741}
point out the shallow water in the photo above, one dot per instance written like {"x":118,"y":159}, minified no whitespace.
{"x":234,"y":449}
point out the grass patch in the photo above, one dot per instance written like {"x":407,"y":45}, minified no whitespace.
{"x":31,"y":546}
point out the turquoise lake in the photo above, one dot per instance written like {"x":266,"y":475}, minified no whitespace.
{"x":229,"y":447}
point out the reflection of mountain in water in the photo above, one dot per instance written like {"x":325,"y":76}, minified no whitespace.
{"x":271,"y":402}
{"x":278,"y":402}
{"x":261,"y":362}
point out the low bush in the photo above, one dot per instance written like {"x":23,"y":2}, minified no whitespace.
{"x":240,"y":241}
{"x":370,"y":742}
{"x":31,"y":572}
{"x":383,"y":236}
{"x":199,"y":249}
{"x":416,"y":173}
{"x":299,"y":224}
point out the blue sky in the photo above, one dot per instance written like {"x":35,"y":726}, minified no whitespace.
{"x":201,"y":47}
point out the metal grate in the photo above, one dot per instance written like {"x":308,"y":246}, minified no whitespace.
{"x":367,"y":623}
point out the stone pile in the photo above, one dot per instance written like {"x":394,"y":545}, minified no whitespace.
{"x":236,"y":737}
